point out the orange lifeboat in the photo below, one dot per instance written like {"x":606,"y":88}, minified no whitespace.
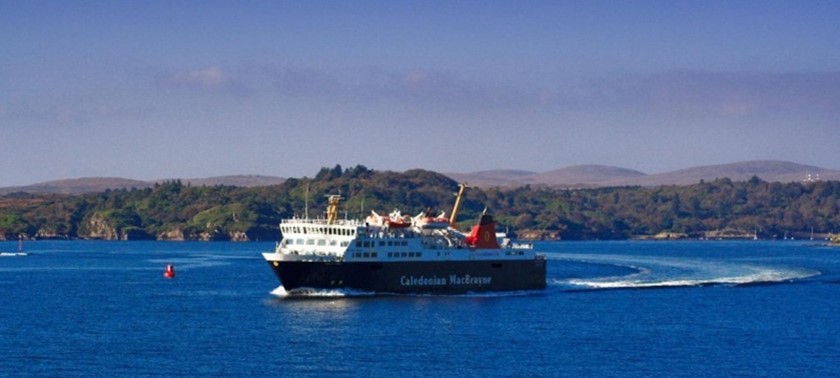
{"x":400,"y":223}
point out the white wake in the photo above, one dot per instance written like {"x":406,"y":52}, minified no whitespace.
{"x":652,"y":271}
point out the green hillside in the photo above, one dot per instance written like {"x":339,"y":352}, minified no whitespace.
{"x":174,"y":211}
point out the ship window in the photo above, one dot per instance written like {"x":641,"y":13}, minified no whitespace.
{"x":322,"y":242}
{"x":404,"y":243}
{"x":358,"y":244}
{"x":345,"y":243}
{"x":299,"y":241}
{"x":405,"y":254}
{"x":366,"y":254}
{"x":373,"y":254}
{"x":381,"y":243}
{"x":333,"y":243}
{"x":310,"y":241}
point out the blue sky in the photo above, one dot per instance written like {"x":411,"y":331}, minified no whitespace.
{"x":166,"y":89}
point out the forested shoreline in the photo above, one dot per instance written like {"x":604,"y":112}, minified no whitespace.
{"x":174,"y":211}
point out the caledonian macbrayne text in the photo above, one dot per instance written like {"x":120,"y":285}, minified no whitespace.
{"x":443,"y":281}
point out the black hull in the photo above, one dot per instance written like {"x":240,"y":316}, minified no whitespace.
{"x":450,"y":277}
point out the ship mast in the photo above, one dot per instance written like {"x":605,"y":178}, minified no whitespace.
{"x":453,"y":219}
{"x":332,"y":208}
{"x":306,"y":203}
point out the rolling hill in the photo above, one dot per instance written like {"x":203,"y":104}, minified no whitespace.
{"x":100,"y":184}
{"x":578,"y":176}
{"x":599,"y":175}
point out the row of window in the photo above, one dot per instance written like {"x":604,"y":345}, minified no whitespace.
{"x":405,"y":254}
{"x":390,"y":254}
{"x":318,"y":242}
{"x":382,"y":243}
{"x":319,"y":230}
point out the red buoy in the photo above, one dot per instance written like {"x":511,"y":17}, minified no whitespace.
{"x":169,"y":272}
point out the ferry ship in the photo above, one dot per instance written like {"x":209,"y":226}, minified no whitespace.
{"x":401,"y":254}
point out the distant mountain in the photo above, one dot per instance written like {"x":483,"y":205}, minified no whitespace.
{"x":586,"y":175}
{"x":599,"y":175}
{"x":578,"y":176}
{"x":101,"y":184}
{"x":767,"y":170}
{"x":79,"y":185}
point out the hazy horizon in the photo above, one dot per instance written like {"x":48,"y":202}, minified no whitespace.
{"x":149,"y":90}
{"x":312,"y":174}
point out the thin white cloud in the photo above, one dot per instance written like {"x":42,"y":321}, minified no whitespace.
{"x":207,"y":78}
{"x":721,"y":93}
{"x":692,"y":93}
{"x":211,"y":76}
{"x":419,"y":87}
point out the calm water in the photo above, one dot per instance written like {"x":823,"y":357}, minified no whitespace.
{"x":695,"y":309}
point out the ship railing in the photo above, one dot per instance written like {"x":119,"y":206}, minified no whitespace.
{"x":319,"y":221}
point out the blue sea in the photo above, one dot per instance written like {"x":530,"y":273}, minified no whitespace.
{"x":611,"y":309}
